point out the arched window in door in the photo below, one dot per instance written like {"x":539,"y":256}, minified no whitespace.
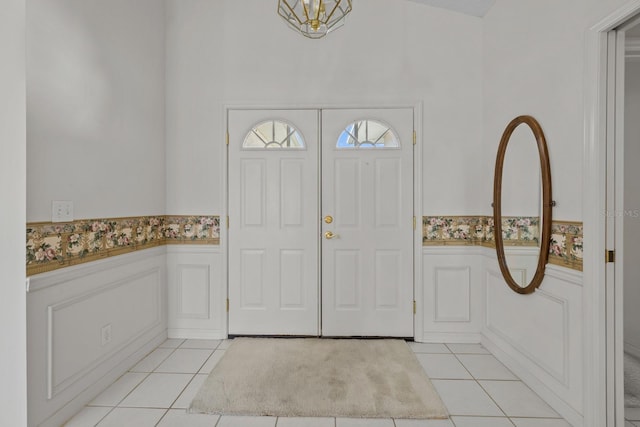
{"x":368,"y":133}
{"x":273,"y":134}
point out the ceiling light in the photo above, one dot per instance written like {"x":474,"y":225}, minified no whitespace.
{"x":314,"y":18}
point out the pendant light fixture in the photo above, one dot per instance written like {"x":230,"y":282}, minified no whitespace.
{"x":314,"y":18}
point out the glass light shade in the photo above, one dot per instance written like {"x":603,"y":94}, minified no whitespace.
{"x":314,"y":18}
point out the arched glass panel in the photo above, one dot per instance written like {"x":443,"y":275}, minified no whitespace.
{"x":368,"y":134}
{"x":273,"y":134}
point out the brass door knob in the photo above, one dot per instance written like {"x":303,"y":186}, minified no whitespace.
{"x":329,"y":235}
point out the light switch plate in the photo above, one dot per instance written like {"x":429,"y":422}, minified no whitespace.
{"x":61,"y":211}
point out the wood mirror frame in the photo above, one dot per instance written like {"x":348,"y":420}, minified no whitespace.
{"x":545,"y":221}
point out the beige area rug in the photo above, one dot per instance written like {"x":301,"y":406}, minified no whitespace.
{"x":310,"y":377}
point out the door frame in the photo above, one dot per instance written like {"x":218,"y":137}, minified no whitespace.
{"x":602,"y":333}
{"x":418,"y":317}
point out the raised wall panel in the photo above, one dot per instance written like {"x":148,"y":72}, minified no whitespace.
{"x":347,"y":192}
{"x":253,"y":192}
{"x":292,"y":283}
{"x":452,"y":294}
{"x":388,"y":192}
{"x":451,"y":304}
{"x":75,"y":325}
{"x":539,"y":336}
{"x":66,"y":311}
{"x":197,"y":292}
{"x":193,"y":284}
{"x":388,"y":278}
{"x":291,"y":192}
{"x":347,"y":279}
{"x":546,"y":339}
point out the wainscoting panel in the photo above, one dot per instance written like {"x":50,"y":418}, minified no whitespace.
{"x":193,"y":285}
{"x":539,"y":336}
{"x":546,"y":339}
{"x":74,"y":346}
{"x":197,"y":292}
{"x":452,"y":294}
{"x":87,"y":325}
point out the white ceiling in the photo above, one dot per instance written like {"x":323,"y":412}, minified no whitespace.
{"x":469,"y":7}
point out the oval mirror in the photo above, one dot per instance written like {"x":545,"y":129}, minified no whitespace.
{"x":522,"y":204}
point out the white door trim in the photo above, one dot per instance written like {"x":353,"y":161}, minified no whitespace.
{"x":596,"y":328}
{"x":417,"y":189}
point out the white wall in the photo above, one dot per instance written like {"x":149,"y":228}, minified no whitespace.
{"x":95,"y":131}
{"x":632,"y":205}
{"x":390,"y":51}
{"x":13,"y":369}
{"x":95,"y":107}
{"x":534,"y":63}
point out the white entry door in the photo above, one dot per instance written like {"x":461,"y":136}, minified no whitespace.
{"x":273,"y":222}
{"x":363,"y":227}
{"x":367,"y":224}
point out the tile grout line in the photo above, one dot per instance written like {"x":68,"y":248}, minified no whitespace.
{"x":161,"y":418}
{"x":192,"y":378}
{"x":491,"y":397}
{"x":147,"y":374}
{"x":480,"y":385}
{"x":450,"y":352}
{"x":104,"y":416}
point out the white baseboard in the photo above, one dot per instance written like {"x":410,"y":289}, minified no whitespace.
{"x":196,"y":334}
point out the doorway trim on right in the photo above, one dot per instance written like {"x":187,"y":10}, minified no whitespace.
{"x":599,"y":369}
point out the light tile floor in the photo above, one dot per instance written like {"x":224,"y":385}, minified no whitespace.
{"x":477,"y":389}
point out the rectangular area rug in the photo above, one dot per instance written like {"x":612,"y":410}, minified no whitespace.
{"x":311,"y":377}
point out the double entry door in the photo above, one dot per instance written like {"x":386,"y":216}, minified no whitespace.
{"x":321,"y":222}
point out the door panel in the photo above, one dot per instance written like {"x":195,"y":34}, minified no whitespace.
{"x":273,"y":223}
{"x":388,"y":193}
{"x":346,"y":280}
{"x":252,"y":184}
{"x":367,"y":266}
{"x":388,"y":268}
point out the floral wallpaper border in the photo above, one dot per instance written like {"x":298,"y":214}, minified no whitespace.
{"x":566,"y":244}
{"x":566,"y":236}
{"x":51,"y":246}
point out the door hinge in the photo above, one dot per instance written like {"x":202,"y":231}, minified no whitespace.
{"x":414,"y":306}
{"x":414,"y":222}
{"x":227,"y":305}
{"x":227,"y":138}
{"x":609,"y":256}
{"x":415,"y":137}
{"x":227,"y":222}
